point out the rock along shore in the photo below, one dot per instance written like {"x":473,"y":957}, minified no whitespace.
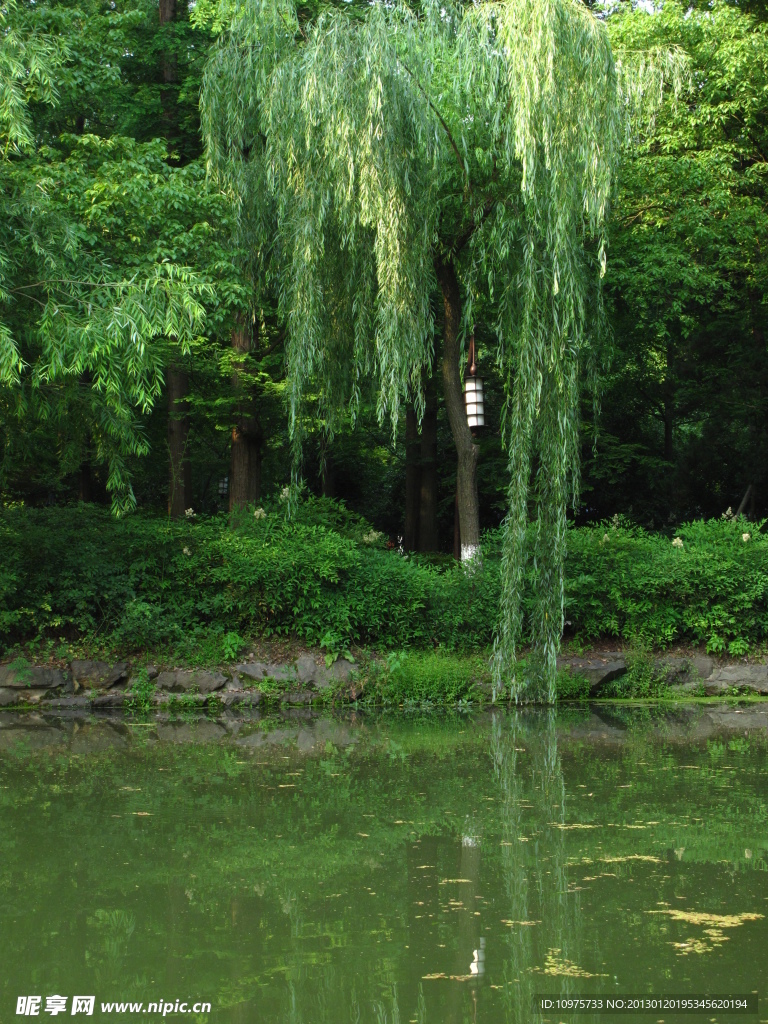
{"x":97,"y":684}
{"x":308,"y":680}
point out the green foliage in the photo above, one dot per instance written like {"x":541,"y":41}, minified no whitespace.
{"x":433,"y":678}
{"x":645,"y":589}
{"x":147,"y":582}
{"x":642,"y":679}
{"x":232,"y":644}
{"x":21,"y":669}
{"x":141,"y":692}
{"x":683,"y":408}
{"x":572,"y":687}
{"x":356,"y":149}
{"x":198,"y":588}
{"x":29,"y":62}
{"x":108,"y":252}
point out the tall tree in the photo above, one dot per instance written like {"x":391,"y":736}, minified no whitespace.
{"x":412,"y":479}
{"x":247,"y":439}
{"x":428,"y":540}
{"x":470,"y":149}
{"x":685,"y":409}
{"x":107,"y":244}
{"x":179,"y":467}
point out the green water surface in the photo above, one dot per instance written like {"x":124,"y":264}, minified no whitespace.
{"x":383,"y":869}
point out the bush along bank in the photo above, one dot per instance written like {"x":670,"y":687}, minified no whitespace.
{"x":406,"y":680}
{"x":76,"y":581}
{"x":77,"y":584}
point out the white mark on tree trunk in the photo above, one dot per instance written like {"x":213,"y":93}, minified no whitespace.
{"x":469,"y":551}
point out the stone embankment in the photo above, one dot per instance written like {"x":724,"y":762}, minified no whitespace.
{"x":307,"y":681}
{"x":697,"y":673}
{"x":96,"y":684}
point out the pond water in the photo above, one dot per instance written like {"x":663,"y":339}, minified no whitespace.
{"x":383,"y":869}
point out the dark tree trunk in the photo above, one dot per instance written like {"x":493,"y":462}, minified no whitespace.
{"x":428,"y":489}
{"x":170,"y":69}
{"x":85,"y":490}
{"x":758,"y":429}
{"x":179,"y":472}
{"x":327,"y":476}
{"x":669,"y":425}
{"x":466,"y":450}
{"x":456,"y":531}
{"x":245,"y":469}
{"x":412,"y":480}
{"x":179,"y":469}
{"x":669,"y":407}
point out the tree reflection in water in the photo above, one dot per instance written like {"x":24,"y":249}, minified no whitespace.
{"x":514,"y":859}
{"x":541,"y":912}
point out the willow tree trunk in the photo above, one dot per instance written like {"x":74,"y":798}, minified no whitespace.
{"x":412,"y":479}
{"x":245,"y":468}
{"x":466,"y":450}
{"x":179,"y":470}
{"x":428,"y":488}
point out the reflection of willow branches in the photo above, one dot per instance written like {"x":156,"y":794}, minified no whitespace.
{"x":421,"y":1007}
{"x":535,"y":872}
{"x":316,"y":989}
{"x":115,"y":928}
{"x":297,"y":971}
{"x":382,"y":1017}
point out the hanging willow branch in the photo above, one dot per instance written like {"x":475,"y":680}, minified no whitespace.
{"x":374,"y":143}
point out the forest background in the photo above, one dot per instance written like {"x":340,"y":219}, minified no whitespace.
{"x":111,"y":229}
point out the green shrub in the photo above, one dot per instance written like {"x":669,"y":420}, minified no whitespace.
{"x":141,"y":693}
{"x":205,"y":584}
{"x":571,"y":686}
{"x":430,"y":678}
{"x":643,"y":678}
{"x":642,"y":588}
{"x":199,"y":588}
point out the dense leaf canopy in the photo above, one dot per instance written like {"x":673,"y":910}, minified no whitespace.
{"x":92,"y":286}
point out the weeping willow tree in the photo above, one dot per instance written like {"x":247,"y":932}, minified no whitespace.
{"x":383,"y":158}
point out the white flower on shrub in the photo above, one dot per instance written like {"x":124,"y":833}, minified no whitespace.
{"x":285,"y":493}
{"x":605,"y":537}
{"x":186,"y":551}
{"x":745,"y":537}
{"x":728,"y":514}
{"x":189,"y":513}
{"x":677,"y":542}
{"x":259,"y":513}
{"x":372,"y":536}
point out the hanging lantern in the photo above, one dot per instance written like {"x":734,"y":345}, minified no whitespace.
{"x":473,"y":390}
